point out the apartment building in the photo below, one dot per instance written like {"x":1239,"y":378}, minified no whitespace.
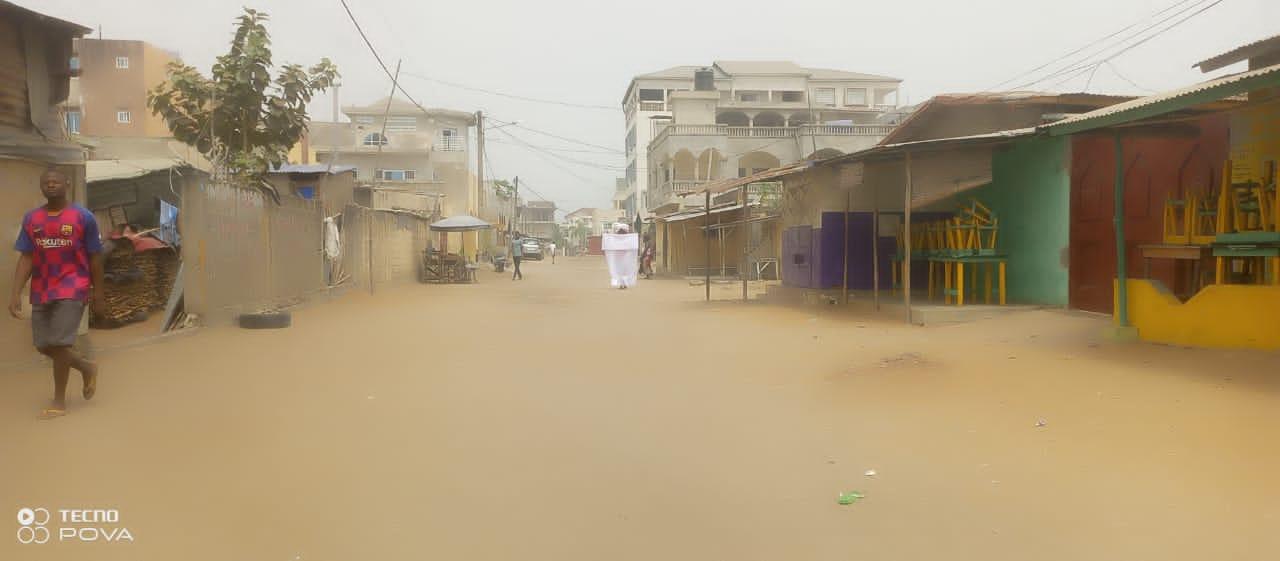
{"x":538,"y":219}
{"x":624,"y":198}
{"x":109,"y":96}
{"x":738,"y":117}
{"x":402,"y":155}
{"x":586,"y":222}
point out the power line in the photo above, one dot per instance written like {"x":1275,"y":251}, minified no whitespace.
{"x":556,"y":136}
{"x":1116,"y":71}
{"x":522,"y":142}
{"x":511,"y":96}
{"x":1074,"y":67}
{"x":570,"y":150}
{"x":551,"y":151}
{"x":378,"y":57}
{"x":1083,"y":65}
{"x":1094,"y":67}
{"x":1087,"y":45}
{"x":535,"y":191}
{"x":525,"y":183}
{"x":553,"y":162}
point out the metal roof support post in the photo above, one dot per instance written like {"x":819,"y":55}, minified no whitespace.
{"x":875,"y":250}
{"x":746,"y":241}
{"x":844,"y":261}
{"x":706,"y":242}
{"x":1122,"y":285}
{"x":906,"y":242}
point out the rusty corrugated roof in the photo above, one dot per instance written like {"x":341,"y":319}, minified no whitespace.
{"x":76,"y":28}
{"x":1243,"y":52}
{"x":1143,"y":107}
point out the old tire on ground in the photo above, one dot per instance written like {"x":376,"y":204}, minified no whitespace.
{"x":266,"y":320}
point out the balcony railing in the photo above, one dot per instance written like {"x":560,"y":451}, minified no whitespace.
{"x":661,"y":132}
{"x":449,"y":144}
{"x":653,"y":106}
{"x":845,"y":130}
{"x":769,"y":132}
{"x":694,"y":130}
{"x":761,"y":132}
{"x":664,"y":192}
{"x":761,"y":103}
{"x":683,"y":186}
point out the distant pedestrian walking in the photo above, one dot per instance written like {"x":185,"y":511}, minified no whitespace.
{"x":517,"y":253}
{"x":646,"y":258}
{"x":552,"y":245}
{"x":61,"y":254}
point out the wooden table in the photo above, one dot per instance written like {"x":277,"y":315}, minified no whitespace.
{"x":953,"y":269}
{"x":1196,"y":254}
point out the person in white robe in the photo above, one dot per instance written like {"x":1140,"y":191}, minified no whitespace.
{"x":621,"y":249}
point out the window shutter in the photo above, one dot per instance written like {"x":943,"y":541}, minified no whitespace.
{"x":825,"y":96}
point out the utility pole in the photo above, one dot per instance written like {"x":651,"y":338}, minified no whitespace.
{"x":480,"y":157}
{"x":515,"y":196}
{"x":336,"y":104}
{"x":382,"y":134}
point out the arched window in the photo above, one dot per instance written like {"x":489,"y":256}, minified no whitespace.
{"x":375,"y":139}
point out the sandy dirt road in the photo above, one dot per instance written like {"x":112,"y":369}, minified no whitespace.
{"x":556,"y":419}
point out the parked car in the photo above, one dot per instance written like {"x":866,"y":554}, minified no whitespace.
{"x":532,"y":249}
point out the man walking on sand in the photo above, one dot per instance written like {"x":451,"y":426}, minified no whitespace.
{"x":62,"y":256}
{"x":517,"y":252}
{"x":552,"y":246}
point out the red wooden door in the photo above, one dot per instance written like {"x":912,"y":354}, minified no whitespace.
{"x":1093,"y":252}
{"x":1156,"y":167}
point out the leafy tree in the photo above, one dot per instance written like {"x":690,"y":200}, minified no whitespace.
{"x":503,"y":189}
{"x":241,"y":118}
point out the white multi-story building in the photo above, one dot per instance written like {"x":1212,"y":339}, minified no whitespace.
{"x":748,"y":116}
{"x":586,"y":222}
{"x":624,"y":198}
{"x":420,"y":162}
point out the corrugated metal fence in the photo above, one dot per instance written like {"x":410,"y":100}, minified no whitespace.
{"x":245,"y":253}
{"x":398,"y":242}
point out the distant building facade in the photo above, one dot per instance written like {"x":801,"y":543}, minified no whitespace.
{"x":414,"y":157}
{"x":754,"y":115}
{"x":624,"y":199}
{"x":586,"y":222}
{"x":109,"y":98}
{"x":537,"y":219}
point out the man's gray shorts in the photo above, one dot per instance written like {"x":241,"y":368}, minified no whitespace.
{"x":55,"y":323}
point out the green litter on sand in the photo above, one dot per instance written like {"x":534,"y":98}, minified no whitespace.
{"x":849,"y":497}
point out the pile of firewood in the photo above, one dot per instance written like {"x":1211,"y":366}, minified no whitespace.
{"x":136,"y":283}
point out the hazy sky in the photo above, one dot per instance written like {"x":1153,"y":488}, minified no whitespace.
{"x":586,"y":52}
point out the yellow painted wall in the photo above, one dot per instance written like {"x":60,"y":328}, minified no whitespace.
{"x":296,"y":156}
{"x":1255,"y":139}
{"x":1219,"y":316}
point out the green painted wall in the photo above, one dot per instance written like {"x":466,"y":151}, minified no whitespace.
{"x":1030,"y":193}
